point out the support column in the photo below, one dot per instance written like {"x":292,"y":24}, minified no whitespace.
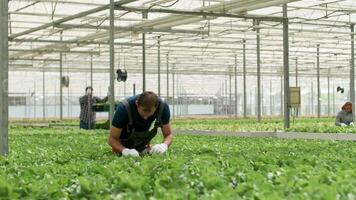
{"x":230,"y":94}
{"x":328,"y":92}
{"x":167,"y":76}
{"x":334,"y":111}
{"x":173,"y":91}
{"x":318,"y":77}
{"x":352,"y":70}
{"x":244,"y":77}
{"x":159,"y":64}
{"x":4,"y":75}
{"x":258,"y":72}
{"x":282,"y":110}
{"x":286,"y":66}
{"x":112,"y":62}
{"x":144,"y":16}
{"x":91,"y":70}
{"x":296,"y":72}
{"x":312,"y":97}
{"x":235,"y":70}
{"x":61,"y":82}
{"x":43,"y":93}
{"x":270,"y":98}
{"x":134,"y":89}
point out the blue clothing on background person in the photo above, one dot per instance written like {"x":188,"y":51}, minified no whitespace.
{"x":121,"y":118}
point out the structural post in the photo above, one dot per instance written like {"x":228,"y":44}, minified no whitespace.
{"x":34,"y":100}
{"x":286,"y":66}
{"x":167,"y":76}
{"x":312,"y":97}
{"x":244,"y":77}
{"x":4,"y":75}
{"x":235,"y":86}
{"x":144,"y":16}
{"x":258,"y":72}
{"x":352,"y":70}
{"x":333,"y":97}
{"x":296,"y":71}
{"x":173,"y":91}
{"x":134,"y":89}
{"x":225,"y":100}
{"x":329,"y":92}
{"x":43,"y":93}
{"x":159,"y":64}
{"x":270,"y":97}
{"x":318,"y":77}
{"x":61,"y":82}
{"x":230,"y":93}
{"x":282,"y":110}
{"x":112,"y":62}
{"x":91,"y":70}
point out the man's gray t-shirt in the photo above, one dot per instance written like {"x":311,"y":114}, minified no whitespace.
{"x":344,"y":117}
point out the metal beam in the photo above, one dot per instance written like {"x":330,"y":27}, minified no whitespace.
{"x":60,"y":82}
{"x":244,"y":77}
{"x":74,"y":42}
{"x":352,"y":69}
{"x":4,"y":81}
{"x":44,"y":93}
{"x":144,"y":16}
{"x":132,"y":29}
{"x":199,"y":13}
{"x":235,"y":70}
{"x":318,"y":79}
{"x":286,"y":67}
{"x":258,"y":72}
{"x":112,"y":63}
{"x":91,"y":70}
{"x":167,"y":76}
{"x":159,"y":64}
{"x":65,"y":19}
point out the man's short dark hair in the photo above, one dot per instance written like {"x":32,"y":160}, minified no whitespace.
{"x":147,"y":100}
{"x":89,"y":87}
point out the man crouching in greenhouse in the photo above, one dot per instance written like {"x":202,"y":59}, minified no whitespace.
{"x":130,"y":134}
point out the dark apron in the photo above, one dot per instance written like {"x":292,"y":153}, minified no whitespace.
{"x":140,"y":140}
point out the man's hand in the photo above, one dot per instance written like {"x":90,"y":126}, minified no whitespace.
{"x":343,"y":124}
{"x":159,"y":148}
{"x":130,"y":152}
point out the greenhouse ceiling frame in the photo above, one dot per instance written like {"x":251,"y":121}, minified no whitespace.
{"x":333,"y":43}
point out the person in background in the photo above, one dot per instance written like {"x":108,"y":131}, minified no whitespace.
{"x":345,"y":116}
{"x":130,"y":134}
{"x":87,"y":116}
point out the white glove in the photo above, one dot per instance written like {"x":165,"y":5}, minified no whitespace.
{"x":130,"y":152}
{"x":159,"y":148}
{"x":343,"y":124}
{"x":351,"y":124}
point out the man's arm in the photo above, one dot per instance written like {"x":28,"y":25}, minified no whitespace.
{"x":114,"y":139}
{"x":167,"y":134}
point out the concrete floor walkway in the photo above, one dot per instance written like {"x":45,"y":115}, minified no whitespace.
{"x":282,"y":135}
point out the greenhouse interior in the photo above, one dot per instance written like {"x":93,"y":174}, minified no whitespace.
{"x":177,"y":99}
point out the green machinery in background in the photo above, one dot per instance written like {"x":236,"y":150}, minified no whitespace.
{"x":103,"y":107}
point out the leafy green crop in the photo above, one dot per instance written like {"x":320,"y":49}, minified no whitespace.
{"x":313,"y":125}
{"x":76,"y":164}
